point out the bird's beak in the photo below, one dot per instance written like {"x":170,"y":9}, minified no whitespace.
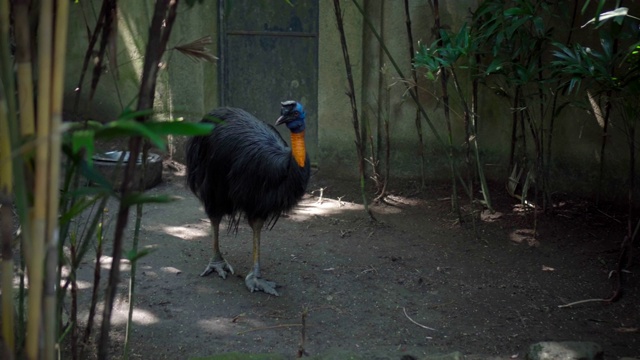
{"x":281,"y":120}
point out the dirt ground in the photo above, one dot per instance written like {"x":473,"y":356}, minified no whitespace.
{"x":375,"y":288}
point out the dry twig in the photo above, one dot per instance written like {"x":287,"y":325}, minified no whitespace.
{"x":301,"y":351}
{"x":582,"y":302}
{"x":415,"y":322}
{"x":197,"y":50}
{"x":268,"y":328}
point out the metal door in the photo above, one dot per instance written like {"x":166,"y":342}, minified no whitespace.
{"x":269,"y":54}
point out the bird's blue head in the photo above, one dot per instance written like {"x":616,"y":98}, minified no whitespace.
{"x":292,"y":114}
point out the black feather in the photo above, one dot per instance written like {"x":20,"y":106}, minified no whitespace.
{"x":244,"y":167}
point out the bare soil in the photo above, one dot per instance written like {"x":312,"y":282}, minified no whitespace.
{"x":375,"y":288}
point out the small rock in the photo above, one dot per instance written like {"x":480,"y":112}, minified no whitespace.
{"x":565,"y":350}
{"x":490,"y":216}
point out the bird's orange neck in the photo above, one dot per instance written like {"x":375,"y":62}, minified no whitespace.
{"x":298,"y":149}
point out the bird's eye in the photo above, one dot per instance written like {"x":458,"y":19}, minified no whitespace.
{"x":295,"y":113}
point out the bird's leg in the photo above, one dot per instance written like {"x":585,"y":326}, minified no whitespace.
{"x":254,"y":281}
{"x":217,"y":262}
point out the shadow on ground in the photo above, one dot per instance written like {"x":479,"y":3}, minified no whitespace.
{"x":413,"y":283}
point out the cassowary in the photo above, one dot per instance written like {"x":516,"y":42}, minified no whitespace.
{"x":245,"y":167}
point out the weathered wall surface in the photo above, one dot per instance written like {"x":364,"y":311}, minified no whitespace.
{"x":576,"y":134}
{"x":335,"y":130}
{"x":185,"y":88}
{"x":189,"y":89}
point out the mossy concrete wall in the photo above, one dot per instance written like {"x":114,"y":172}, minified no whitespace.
{"x":382,"y":95}
{"x":185,"y":88}
{"x":190,"y":89}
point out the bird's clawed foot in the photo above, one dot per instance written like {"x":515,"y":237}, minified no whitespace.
{"x":259,"y":284}
{"x":221,"y":266}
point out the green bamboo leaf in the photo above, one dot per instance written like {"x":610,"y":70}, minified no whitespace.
{"x":179,"y":128}
{"x":599,"y":9}
{"x":566,"y":53}
{"x":84,"y":140}
{"x":515,"y":26}
{"x":574,"y":83}
{"x":90,"y":191}
{"x":78,"y":207}
{"x":489,"y":29}
{"x":607,"y":46}
{"x":586,"y":4}
{"x":129,"y":114}
{"x":444,"y":37}
{"x":429,"y":75}
{"x":130,"y":127}
{"x":514,"y":11}
{"x":523,"y":74}
{"x":494,"y":66}
{"x":538,"y":23}
{"x":462,"y":39}
{"x":133,"y":255}
{"x":142,"y":198}
{"x":91,"y":174}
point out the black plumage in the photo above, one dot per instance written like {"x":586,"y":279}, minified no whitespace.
{"x":245,"y":167}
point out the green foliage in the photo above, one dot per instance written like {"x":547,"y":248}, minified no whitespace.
{"x":128,"y":125}
{"x":515,"y":40}
{"x":135,"y":255}
{"x":449,"y":53}
{"x":81,"y":205}
{"x":139,"y":198}
{"x":598,"y":11}
{"x":581,"y":62}
{"x":608,"y":69}
{"x":86,"y":191}
{"x":512,"y":38}
{"x":445,"y":52}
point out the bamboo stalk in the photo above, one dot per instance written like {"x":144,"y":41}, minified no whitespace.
{"x":96,"y":286}
{"x":455,"y":205}
{"x":134,"y":262}
{"x":73,"y":317}
{"x":16,"y":163}
{"x":354,"y":107}
{"x":6,"y":71}
{"x":414,"y":76}
{"x":161,"y":25}
{"x":24,"y":65}
{"x":412,"y":92}
{"x":55,"y":144}
{"x":6,"y":185}
{"x":6,"y":188}
{"x":8,"y":318}
{"x":90,"y":50}
{"x":36,"y":265}
{"x":26,"y":124}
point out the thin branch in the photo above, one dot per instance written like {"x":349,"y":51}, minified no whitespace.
{"x":354,"y":106}
{"x":414,"y":75}
{"x":163,"y":18}
{"x":415,"y":322}
{"x":88,"y":53}
{"x":268,"y":328}
{"x":582,"y":302}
